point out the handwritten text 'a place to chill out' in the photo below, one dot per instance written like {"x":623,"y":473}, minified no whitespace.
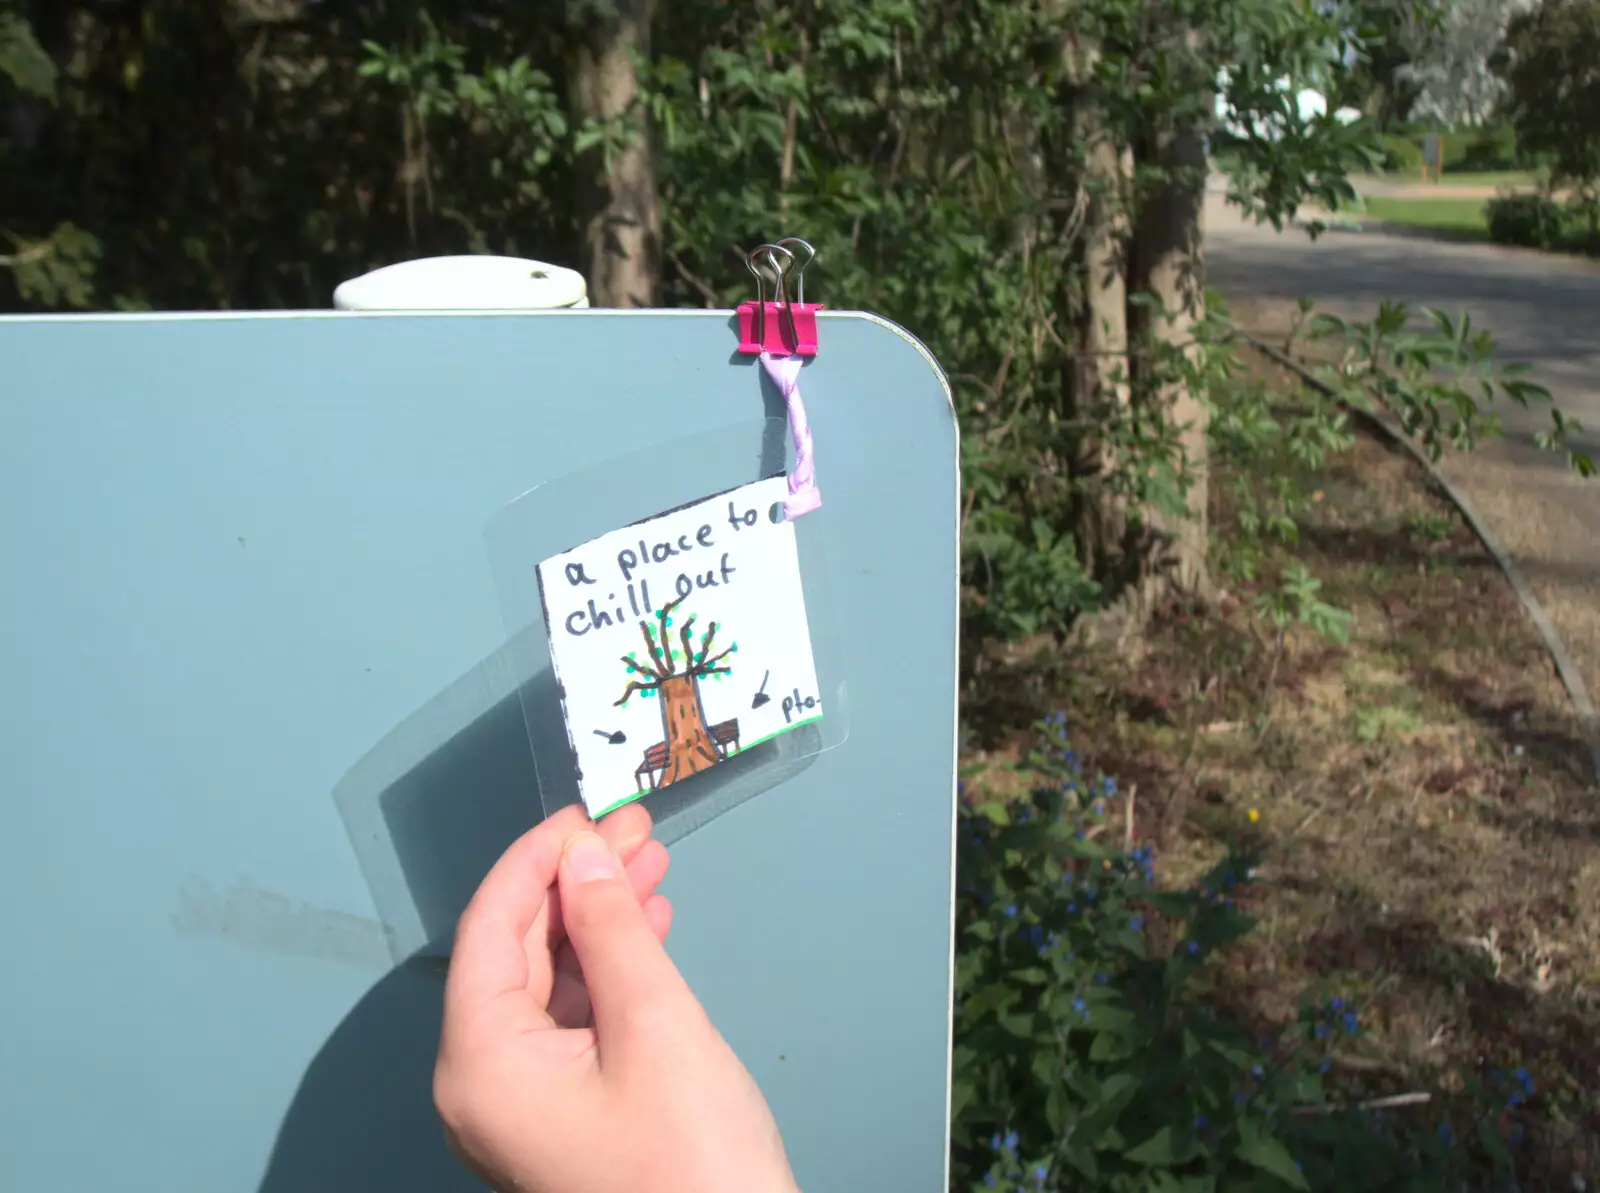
{"x":652,"y":550}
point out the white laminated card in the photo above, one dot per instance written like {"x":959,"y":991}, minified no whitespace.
{"x":679,"y":641}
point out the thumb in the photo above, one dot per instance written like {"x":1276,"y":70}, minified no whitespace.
{"x":625,"y":967}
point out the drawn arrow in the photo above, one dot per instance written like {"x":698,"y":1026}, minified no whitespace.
{"x":761,"y":695}
{"x":615,"y":739}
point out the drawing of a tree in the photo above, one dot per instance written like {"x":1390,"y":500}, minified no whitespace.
{"x":671,"y":672}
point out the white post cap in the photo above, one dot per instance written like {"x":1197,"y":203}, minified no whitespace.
{"x":474,"y":283}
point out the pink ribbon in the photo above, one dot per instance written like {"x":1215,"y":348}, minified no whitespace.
{"x":803,"y":494}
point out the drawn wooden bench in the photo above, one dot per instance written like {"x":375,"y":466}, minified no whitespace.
{"x":724,"y":736}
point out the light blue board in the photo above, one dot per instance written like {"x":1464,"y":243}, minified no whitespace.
{"x":245,"y":571}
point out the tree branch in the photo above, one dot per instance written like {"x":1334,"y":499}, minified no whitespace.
{"x":661,"y":669}
{"x":713,"y":300}
{"x":685,"y":636}
{"x":633,"y":666}
{"x":705,"y":642}
{"x":705,"y":667}
{"x":34,"y":252}
{"x":635,"y":686}
{"x":666,"y":666}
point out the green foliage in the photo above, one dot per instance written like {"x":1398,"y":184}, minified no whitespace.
{"x":1297,"y":601}
{"x":1438,"y":381}
{"x":1089,"y":1054}
{"x":1493,"y":147}
{"x":1548,"y":62}
{"x":1430,"y":528}
{"x":1374,"y":724}
{"x":1402,"y":153}
{"x":1528,"y":221}
{"x":56,"y":271}
{"x":23,"y":61}
{"x":938,"y":155}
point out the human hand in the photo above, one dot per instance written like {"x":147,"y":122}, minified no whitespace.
{"x":574,"y":1058}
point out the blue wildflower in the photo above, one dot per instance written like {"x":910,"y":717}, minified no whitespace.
{"x":1072,"y":909}
{"x":1446,"y":1134}
{"x":1320,"y":1031}
{"x":1040,"y":1173}
{"x":1256,"y":1070}
{"x":1525,"y":1079}
{"x":1011,"y":910}
{"x":1323,"y":1067}
{"x":1337,"y":1004}
{"x":1100,"y":979}
{"x":989,"y":1179}
{"x":1058,"y":718}
{"x":1010,"y":1141}
{"x":1200,"y":1121}
{"x":1136,"y":923}
{"x":1070,"y":757}
{"x":1194,"y":948}
{"x":1350,"y":1023}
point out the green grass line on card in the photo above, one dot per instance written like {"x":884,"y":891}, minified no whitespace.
{"x":635,"y":795}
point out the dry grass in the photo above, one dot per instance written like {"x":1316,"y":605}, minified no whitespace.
{"x":1423,"y":798}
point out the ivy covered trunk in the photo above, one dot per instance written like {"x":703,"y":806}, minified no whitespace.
{"x":1100,"y":375}
{"x":1169,"y":270}
{"x":619,"y":213}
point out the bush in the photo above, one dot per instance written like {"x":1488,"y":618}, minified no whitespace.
{"x":1087,"y":1056}
{"x":1529,"y":221}
{"x":1401,"y":153}
{"x":1493,"y":148}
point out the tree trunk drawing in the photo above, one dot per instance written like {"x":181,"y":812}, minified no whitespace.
{"x":683,"y":718}
{"x":671,"y":670}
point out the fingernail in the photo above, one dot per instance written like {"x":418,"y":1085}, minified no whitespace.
{"x":590,"y":859}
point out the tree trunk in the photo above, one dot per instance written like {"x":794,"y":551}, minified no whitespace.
{"x":683,"y":719}
{"x":1169,"y":265}
{"x":618,"y":209}
{"x":1101,"y":371}
{"x":1095,"y":306}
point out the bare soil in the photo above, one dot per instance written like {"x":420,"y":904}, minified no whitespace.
{"x":1422,"y":795}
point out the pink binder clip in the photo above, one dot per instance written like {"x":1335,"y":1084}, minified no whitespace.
{"x":782,"y":327}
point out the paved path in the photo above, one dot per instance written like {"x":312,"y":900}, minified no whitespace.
{"x":1542,"y":309}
